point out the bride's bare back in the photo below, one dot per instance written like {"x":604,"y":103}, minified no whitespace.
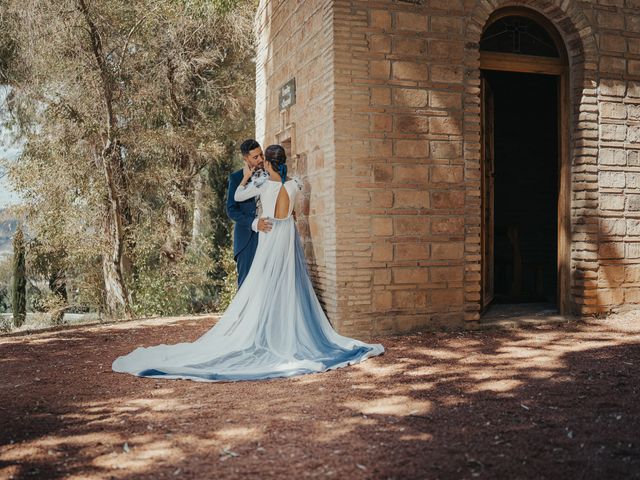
{"x":282,"y":203}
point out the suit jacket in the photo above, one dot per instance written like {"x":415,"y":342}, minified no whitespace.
{"x":242,"y":213}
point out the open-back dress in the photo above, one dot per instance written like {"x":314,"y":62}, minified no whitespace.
{"x":274,"y":326}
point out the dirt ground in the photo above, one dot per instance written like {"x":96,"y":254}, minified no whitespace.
{"x":557,"y":402}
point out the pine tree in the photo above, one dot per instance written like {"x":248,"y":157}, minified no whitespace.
{"x":19,"y":280}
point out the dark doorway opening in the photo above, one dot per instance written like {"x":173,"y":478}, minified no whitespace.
{"x":525,"y":187}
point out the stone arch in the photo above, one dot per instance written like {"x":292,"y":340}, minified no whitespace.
{"x":581,"y":47}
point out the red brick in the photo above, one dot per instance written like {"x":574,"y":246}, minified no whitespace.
{"x":446,"y":174}
{"x":412,"y":251}
{"x":447,"y":200}
{"x":447,"y":251}
{"x":415,"y":225}
{"x":411,"y":199}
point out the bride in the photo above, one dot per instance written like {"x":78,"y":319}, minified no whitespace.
{"x":274,"y":326}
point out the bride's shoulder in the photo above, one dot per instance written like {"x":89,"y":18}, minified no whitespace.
{"x":296,"y":181}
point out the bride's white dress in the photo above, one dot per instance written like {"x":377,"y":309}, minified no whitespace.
{"x":274,"y":327}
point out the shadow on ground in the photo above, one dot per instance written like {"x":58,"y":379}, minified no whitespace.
{"x":545,"y":402}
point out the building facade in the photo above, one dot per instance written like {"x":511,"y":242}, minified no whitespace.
{"x":458,"y":153}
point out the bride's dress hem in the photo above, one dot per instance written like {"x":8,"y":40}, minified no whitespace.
{"x":274,"y":327}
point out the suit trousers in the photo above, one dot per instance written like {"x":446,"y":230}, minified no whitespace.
{"x":244,"y":259}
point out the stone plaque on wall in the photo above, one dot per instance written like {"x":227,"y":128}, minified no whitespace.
{"x":288,"y":94}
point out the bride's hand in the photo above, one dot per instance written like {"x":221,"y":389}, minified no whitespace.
{"x":247,"y":173}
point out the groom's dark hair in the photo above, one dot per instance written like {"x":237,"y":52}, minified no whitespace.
{"x":248,"y":145}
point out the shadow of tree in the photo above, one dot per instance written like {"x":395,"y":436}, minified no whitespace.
{"x":545,"y":402}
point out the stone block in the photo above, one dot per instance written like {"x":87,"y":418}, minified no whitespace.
{"x":416,"y":71}
{"x":632,"y":273}
{"x":633,"y":227}
{"x":412,"y":21}
{"x":612,"y":156}
{"x":441,"y":150}
{"x":380,"y":96}
{"x":380,"y":69}
{"x":445,"y":100}
{"x":409,"y":299}
{"x":447,"y":225}
{"x":380,"y":19}
{"x":613,"y":43}
{"x":382,"y":301}
{"x":447,"y":251}
{"x":412,"y":251}
{"x":611,"y":298}
{"x":410,"y":174}
{"x":631,"y":250}
{"x":380,"y":43}
{"x":447,"y":73}
{"x":611,"y":202}
{"x":613,"y":133}
{"x":611,"y":250}
{"x":611,"y":276}
{"x":613,"y":110}
{"x":611,"y":179}
{"x":633,"y":134}
{"x":613,"y":226}
{"x":451,"y":199}
{"x":447,"y":274}
{"x":445,"y":125}
{"x":613,"y":87}
{"x":446,"y":174}
{"x":380,"y":123}
{"x":451,"y":50}
{"x":410,"y":46}
{"x":382,"y":276}
{"x":410,"y":97}
{"x":633,"y":203}
{"x":412,"y":123}
{"x":382,"y":252}
{"x":382,"y":172}
{"x":447,"y":24}
{"x":412,"y":148}
{"x":449,"y":297}
{"x":411,"y":199}
{"x":414,"y":275}
{"x":382,"y":226}
{"x":632,"y":295}
{"x":412,"y":225}
{"x":382,"y":199}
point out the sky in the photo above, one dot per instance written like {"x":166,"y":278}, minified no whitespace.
{"x":7,"y":150}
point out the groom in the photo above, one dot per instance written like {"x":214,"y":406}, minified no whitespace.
{"x":247,"y":225}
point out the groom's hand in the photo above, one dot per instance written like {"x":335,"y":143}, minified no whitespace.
{"x":264,"y":225}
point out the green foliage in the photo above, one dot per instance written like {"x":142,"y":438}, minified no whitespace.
{"x":228,"y":284}
{"x":19,"y":292}
{"x":169,"y":288}
{"x":180,"y":81}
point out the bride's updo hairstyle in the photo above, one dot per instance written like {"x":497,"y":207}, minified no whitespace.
{"x":276,"y":156}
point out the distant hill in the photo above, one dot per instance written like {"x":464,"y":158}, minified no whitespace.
{"x":7,"y":229}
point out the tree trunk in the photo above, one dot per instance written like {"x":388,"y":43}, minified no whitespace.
{"x":117,"y":297}
{"x":58,"y":286}
{"x":19,"y":300}
{"x":198,"y":208}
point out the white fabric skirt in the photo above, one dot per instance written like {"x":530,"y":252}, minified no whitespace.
{"x":274,"y":326}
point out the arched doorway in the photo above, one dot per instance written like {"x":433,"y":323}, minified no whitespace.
{"x":525,"y":237}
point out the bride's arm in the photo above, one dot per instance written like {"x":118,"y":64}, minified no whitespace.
{"x":245,"y":192}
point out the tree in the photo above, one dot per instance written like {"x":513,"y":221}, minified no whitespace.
{"x":125,"y":108}
{"x":19,"y":286}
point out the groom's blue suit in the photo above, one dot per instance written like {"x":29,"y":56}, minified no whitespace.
{"x":245,"y":240}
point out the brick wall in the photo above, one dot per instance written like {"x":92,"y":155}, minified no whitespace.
{"x":618,"y":275}
{"x":404,"y":211}
{"x":295,"y":40}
